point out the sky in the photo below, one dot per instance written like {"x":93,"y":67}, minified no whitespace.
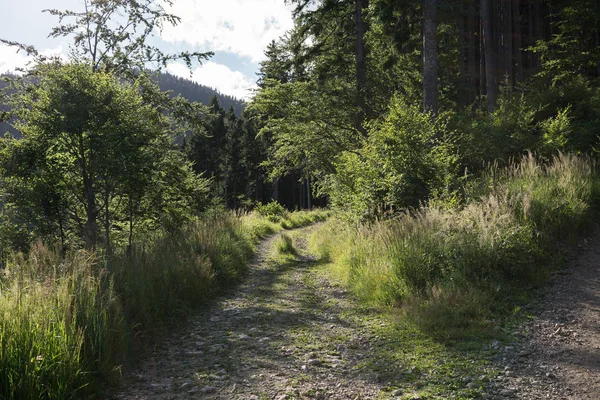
{"x":237,"y":31}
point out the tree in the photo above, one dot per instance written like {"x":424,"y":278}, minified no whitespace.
{"x":361,"y":66}
{"x":93,"y":142}
{"x":430,"y":57}
{"x":575,"y":49}
{"x":112,"y":35}
{"x":276,"y":67}
{"x":490,"y":54}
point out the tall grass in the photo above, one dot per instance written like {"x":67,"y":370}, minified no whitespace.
{"x":61,"y":325}
{"x":68,"y":323}
{"x":453,"y":269}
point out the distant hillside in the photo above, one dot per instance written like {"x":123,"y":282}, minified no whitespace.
{"x":196,"y":92}
{"x":188,"y":89}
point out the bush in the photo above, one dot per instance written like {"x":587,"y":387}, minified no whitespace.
{"x":556,"y":131}
{"x":481,"y":138}
{"x":273,"y":211}
{"x":400,"y":165}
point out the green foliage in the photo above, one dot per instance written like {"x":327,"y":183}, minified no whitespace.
{"x":305,"y":124}
{"x":467,"y":260}
{"x":556,"y":131}
{"x":273,"y":211}
{"x":228,"y":152}
{"x":482,"y":138}
{"x":400,"y":164}
{"x":573,"y":50}
{"x":94,"y":155}
{"x":581,"y":98}
{"x":113,"y":35}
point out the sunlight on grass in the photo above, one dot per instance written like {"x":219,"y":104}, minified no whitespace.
{"x":68,"y":323}
{"x":451,"y":270}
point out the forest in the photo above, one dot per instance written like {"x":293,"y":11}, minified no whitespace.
{"x":454,"y":144}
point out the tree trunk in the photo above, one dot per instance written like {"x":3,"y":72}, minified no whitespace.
{"x":276,"y":189}
{"x":89,"y":229}
{"x":471,"y":53}
{"x":361,"y":67}
{"x":63,"y":245}
{"x":597,"y":36}
{"x":490,"y":57}
{"x":430,"y":78}
{"x":462,"y":69}
{"x":107,"y":220}
{"x":537,"y":26}
{"x":130,"y":217}
{"x":482,"y":69}
{"x":508,"y":39}
{"x":308,"y":194}
{"x":497,"y":32}
{"x":550,"y":21}
{"x":531,"y":40}
{"x":518,"y":43}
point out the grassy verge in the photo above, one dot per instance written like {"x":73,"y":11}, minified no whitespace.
{"x":455,"y":272}
{"x":68,"y":323}
{"x":257,"y":225}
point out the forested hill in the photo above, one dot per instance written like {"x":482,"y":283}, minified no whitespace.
{"x":196,"y":92}
{"x":185,"y":87}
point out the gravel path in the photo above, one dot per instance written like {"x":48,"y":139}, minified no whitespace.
{"x":558,"y":355}
{"x":290,"y":333}
{"x":285,"y":333}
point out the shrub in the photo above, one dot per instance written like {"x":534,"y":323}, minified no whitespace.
{"x":556,"y":131}
{"x":273,"y":211}
{"x":401,"y":164}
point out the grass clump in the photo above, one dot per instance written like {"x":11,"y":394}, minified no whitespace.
{"x":285,"y":245}
{"x":69,"y":322}
{"x":62,"y":324}
{"x":453,"y":270}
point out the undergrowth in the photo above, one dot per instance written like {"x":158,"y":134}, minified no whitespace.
{"x":69,"y":322}
{"x":455,"y":271}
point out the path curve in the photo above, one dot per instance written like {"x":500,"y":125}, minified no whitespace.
{"x":283,"y":334}
{"x":288,"y":332}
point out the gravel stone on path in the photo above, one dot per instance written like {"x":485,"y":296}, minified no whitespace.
{"x":276,"y":337}
{"x":558,"y":354}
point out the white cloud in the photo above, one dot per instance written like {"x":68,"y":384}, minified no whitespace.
{"x":217,"y":76}
{"x":243,"y":27}
{"x":10,"y":59}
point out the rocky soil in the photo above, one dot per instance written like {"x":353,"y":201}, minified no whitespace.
{"x":290,"y":333}
{"x":558,"y":354}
